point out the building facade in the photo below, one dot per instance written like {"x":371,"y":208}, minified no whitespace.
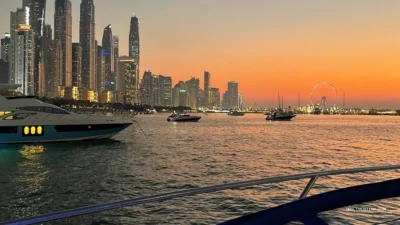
{"x":76,"y":65}
{"x":87,"y":41}
{"x":127,"y":80}
{"x":108,"y":52}
{"x":63,"y":33}
{"x":5,"y":43}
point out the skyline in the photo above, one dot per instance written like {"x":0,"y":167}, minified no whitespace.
{"x":352,"y":44}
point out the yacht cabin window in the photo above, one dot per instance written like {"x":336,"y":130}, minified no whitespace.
{"x":19,"y":116}
{"x":2,"y":113}
{"x":44,"y":109}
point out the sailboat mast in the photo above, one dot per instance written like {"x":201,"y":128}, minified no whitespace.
{"x":279,"y":100}
{"x":282,"y":102}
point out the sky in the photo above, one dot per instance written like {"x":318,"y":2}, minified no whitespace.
{"x":264,"y":45}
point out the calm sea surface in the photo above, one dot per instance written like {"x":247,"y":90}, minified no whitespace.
{"x":38,"y":179}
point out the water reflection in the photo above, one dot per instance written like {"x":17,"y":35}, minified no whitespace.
{"x":33,"y":173}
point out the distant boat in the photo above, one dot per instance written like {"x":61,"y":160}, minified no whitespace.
{"x":280,"y":116}
{"x":182,"y":118}
{"x":235,"y":113}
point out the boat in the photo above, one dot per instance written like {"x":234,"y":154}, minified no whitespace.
{"x":280,"y":116}
{"x":235,"y":113}
{"x":177,"y":117}
{"x":26,"y":119}
{"x":306,"y":209}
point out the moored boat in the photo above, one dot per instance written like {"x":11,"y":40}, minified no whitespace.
{"x":235,"y":113}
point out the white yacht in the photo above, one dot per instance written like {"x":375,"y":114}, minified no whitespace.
{"x":28,"y":120}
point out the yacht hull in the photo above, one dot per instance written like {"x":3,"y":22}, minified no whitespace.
{"x":281,"y":118}
{"x":192,"y":119}
{"x":61,"y":133}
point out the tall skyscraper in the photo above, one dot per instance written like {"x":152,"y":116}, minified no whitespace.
{"x":207,"y":78}
{"x":215,"y":99}
{"x":36,"y":14}
{"x":165,"y":91}
{"x":108,"y":48}
{"x":5,"y":42}
{"x":87,"y":40}
{"x":56,"y":67}
{"x":100,"y":70}
{"x":134,"y":44}
{"x":21,"y":52}
{"x":193,"y":86}
{"x":126,"y":82}
{"x":76,"y":64}
{"x":63,"y":33}
{"x":233,"y":94}
{"x":116,"y":50}
{"x":179,"y":94}
{"x":23,"y":60}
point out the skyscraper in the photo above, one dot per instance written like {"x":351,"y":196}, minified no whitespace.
{"x":108,"y":51}
{"x":165,"y":91}
{"x":127,"y":79}
{"x":36,"y":14}
{"x":87,"y":40}
{"x":193,"y":86}
{"x":116,"y":50}
{"x":146,"y":88}
{"x":134,"y":45}
{"x":100,"y":72}
{"x":206,"y":89}
{"x":215,"y":99}
{"x":63,"y":33}
{"x":23,"y":60}
{"x":55,"y":75}
{"x":5,"y":42}
{"x":240,"y":106}
{"x":233,"y":94}
{"x":21,"y":51}
{"x":76,"y":64}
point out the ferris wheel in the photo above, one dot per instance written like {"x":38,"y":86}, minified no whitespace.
{"x":324,"y":98}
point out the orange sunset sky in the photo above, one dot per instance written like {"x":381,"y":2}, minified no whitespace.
{"x":264,"y":45}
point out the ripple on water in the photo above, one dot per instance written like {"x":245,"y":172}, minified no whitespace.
{"x":218,"y":149}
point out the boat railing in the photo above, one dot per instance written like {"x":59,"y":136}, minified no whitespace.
{"x":313,"y":176}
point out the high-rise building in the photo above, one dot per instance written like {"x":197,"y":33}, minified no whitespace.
{"x":108,"y":50}
{"x":54,"y":76}
{"x":230,"y":99}
{"x":165,"y":91}
{"x":76,"y":64}
{"x":193,"y":86}
{"x":36,"y":14}
{"x":240,"y":103}
{"x":100,"y":70}
{"x":47,"y":47}
{"x":23,"y":58}
{"x":207,"y":78}
{"x":156,"y":92}
{"x":5,"y":42}
{"x":87,"y":41}
{"x":63,"y":33}
{"x":116,"y":50}
{"x":134,"y":44}
{"x":179,"y":94}
{"x":127,"y":78}
{"x":215,"y":99}
{"x":3,"y":72}
{"x":146,"y":88}
{"x":22,"y":52}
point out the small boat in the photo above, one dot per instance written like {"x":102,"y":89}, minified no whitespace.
{"x":235,"y":113}
{"x":280,"y":117}
{"x":183,"y":118}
